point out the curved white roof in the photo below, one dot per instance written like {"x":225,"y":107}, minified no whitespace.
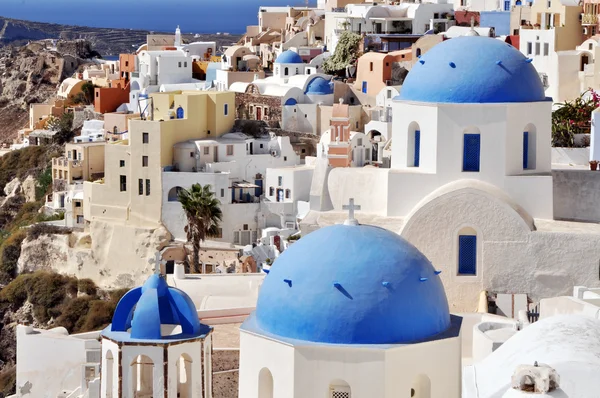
{"x":568,"y":343}
{"x":239,"y":87}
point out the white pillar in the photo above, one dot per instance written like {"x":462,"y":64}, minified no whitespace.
{"x":179,"y":271}
{"x":595,"y":136}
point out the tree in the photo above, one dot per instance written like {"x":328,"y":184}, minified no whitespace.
{"x":203,"y":215}
{"x":63,"y":126}
{"x":346,"y":53}
{"x":88,"y":90}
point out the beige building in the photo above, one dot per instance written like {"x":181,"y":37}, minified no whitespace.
{"x":131,"y":192}
{"x":81,"y":162}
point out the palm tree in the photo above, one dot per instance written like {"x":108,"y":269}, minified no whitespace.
{"x":203,"y":216}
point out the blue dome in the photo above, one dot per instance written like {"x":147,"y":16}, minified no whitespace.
{"x":288,"y":57}
{"x":352,"y":285}
{"x":319,"y":86}
{"x":144,"y":309}
{"x":473,"y":70}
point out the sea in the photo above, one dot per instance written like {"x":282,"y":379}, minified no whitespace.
{"x":193,"y":16}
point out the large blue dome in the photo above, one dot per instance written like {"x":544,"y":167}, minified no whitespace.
{"x":352,"y":285}
{"x":143,"y":310}
{"x":288,"y":57}
{"x":319,"y":86}
{"x":472,"y":69}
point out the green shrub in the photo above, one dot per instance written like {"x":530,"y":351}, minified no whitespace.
{"x":8,"y":381}
{"x":74,"y":313}
{"x":43,"y":183}
{"x":99,"y":315}
{"x":38,"y":230}
{"x":15,"y":292}
{"x":87,"y":286}
{"x":10,"y":250}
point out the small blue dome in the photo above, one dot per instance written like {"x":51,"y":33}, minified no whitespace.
{"x":352,"y":285}
{"x":144,"y":309}
{"x":319,"y":86}
{"x":472,"y":69}
{"x":288,"y":57}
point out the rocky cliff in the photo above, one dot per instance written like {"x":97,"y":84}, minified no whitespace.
{"x":113,"y":256}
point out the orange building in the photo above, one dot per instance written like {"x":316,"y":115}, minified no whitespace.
{"x":108,"y":99}
{"x":340,"y":151}
{"x":374,"y":70}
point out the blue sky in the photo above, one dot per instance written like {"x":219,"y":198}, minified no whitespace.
{"x":194,"y":16}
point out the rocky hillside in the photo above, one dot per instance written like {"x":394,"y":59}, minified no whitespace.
{"x":31,"y":74}
{"x":104,"y":40}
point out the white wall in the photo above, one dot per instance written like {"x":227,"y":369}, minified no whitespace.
{"x":49,"y":362}
{"x":300,"y":117}
{"x":547,"y":64}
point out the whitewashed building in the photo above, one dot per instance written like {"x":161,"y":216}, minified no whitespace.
{"x":234,"y":165}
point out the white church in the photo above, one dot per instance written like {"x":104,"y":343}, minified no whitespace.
{"x":470,"y":182}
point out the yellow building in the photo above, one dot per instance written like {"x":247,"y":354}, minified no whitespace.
{"x":132,"y":188}
{"x":563,"y":19}
{"x":81,"y":162}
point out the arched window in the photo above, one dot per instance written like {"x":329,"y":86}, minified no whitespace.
{"x":467,"y":252}
{"x":115,"y":130}
{"x":421,"y":387}
{"x":109,"y":374}
{"x":529,"y":147}
{"x":584,"y":61}
{"x":265,"y":383}
{"x":184,"y":376}
{"x":142,"y":376}
{"x":174,"y":194}
{"x":288,"y":193}
{"x":471,"y":150}
{"x":418,"y":52}
{"x":285,"y":71}
{"x":414,"y":145}
{"x":180,"y":113}
{"x":339,"y":389}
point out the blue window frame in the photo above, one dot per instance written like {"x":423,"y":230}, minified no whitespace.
{"x":417,"y":147}
{"x":506,"y":5}
{"x":180,"y":113}
{"x":525,"y":150}
{"x":364,"y":87}
{"x":467,"y":255}
{"x":471,"y":148}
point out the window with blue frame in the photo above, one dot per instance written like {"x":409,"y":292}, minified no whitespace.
{"x":471,"y":152}
{"x":506,"y":5}
{"x":525,"y":150}
{"x":417,"y":148}
{"x":467,"y":255}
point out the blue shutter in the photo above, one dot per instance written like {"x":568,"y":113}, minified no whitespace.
{"x":258,"y":190}
{"x":525,"y":150}
{"x":364,"y":87}
{"x":417,"y":147}
{"x":471,"y":152}
{"x":180,"y":113}
{"x":467,"y":255}
{"x":506,"y":5}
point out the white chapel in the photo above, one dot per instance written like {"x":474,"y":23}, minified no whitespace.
{"x":351,"y":311}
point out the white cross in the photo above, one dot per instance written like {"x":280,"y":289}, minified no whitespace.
{"x":351,"y":207}
{"x":157,"y":263}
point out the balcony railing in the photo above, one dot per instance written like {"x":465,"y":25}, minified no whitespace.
{"x":589,"y":19}
{"x":64,"y":162}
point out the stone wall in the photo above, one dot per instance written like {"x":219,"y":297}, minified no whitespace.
{"x":225,"y":373}
{"x":576,"y":195}
{"x":243,"y":101}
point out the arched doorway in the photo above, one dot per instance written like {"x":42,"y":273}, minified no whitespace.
{"x":184,"y":376}
{"x":109,"y":374}
{"x":339,"y":389}
{"x":173,"y":195}
{"x":421,"y":387}
{"x":377,"y":141}
{"x":142,"y":377}
{"x":180,"y":113}
{"x":265,"y":383}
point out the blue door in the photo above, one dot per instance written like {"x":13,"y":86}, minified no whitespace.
{"x":467,"y":254}
{"x":180,"y":113}
{"x":471,"y":152}
{"x":525,"y":150}
{"x":364,"y":87}
{"x":417,"y":147}
{"x":259,"y":190}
